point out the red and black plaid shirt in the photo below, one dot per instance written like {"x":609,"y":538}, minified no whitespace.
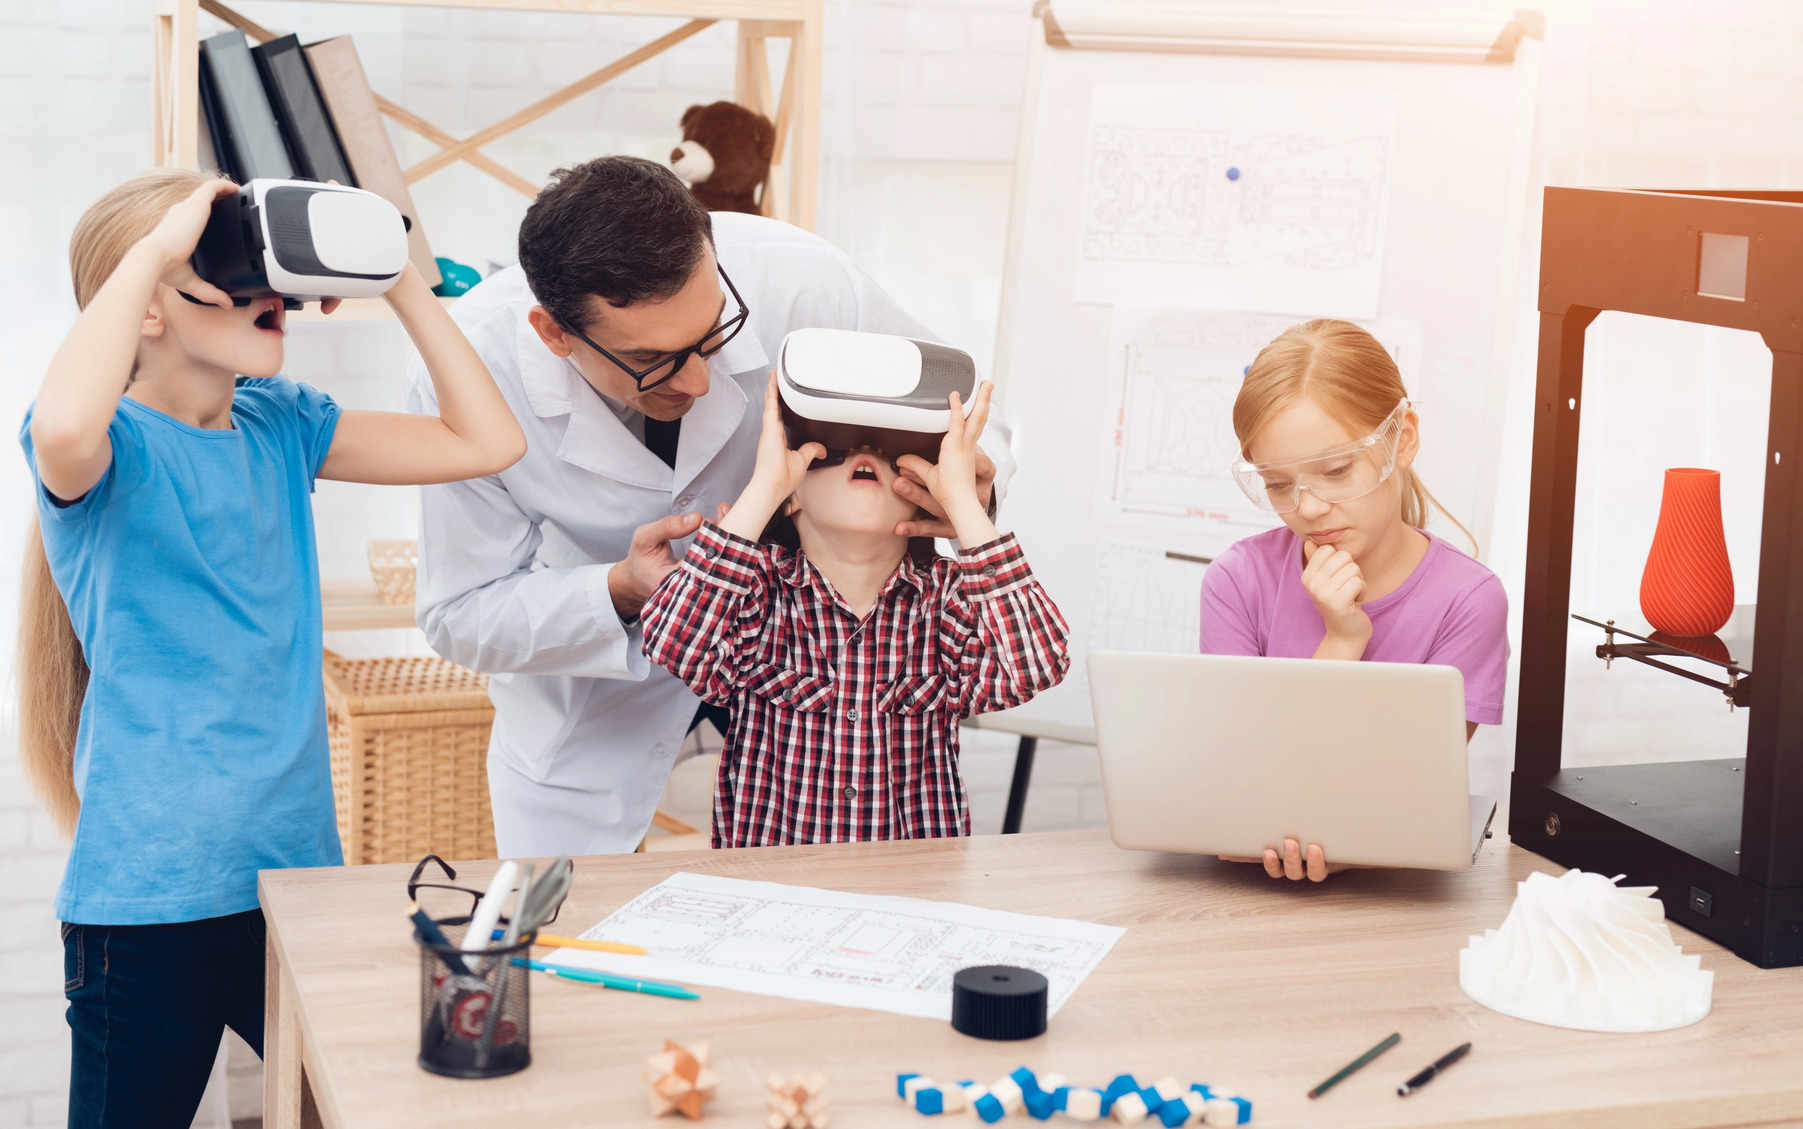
{"x":846,"y":729}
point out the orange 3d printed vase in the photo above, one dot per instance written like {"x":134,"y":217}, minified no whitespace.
{"x":1687,"y":588}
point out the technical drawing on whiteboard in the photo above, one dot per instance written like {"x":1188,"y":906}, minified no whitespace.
{"x":1251,"y":198}
{"x":1168,"y":444}
{"x":855,"y":950}
{"x":1147,"y":598}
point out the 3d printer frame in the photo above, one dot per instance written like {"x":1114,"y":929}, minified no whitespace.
{"x":1721,"y":838}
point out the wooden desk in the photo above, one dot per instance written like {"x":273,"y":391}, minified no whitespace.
{"x":1223,"y":976}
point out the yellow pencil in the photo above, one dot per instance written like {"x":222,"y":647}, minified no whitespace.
{"x":550,"y":940}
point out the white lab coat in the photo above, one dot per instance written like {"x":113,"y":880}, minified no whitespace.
{"x":513,"y":567}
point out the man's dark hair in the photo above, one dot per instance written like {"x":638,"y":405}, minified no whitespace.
{"x":623,"y":228}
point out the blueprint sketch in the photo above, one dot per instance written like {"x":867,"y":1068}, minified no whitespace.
{"x":1168,"y":445}
{"x":854,"y":950}
{"x":1237,"y":197}
{"x":1147,"y":598}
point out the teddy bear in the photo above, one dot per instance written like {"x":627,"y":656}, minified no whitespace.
{"x":725,"y":155}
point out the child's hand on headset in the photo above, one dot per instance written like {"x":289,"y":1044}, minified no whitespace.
{"x":954,"y":481}
{"x":778,"y":467}
{"x":176,"y":235}
{"x":1333,"y":581}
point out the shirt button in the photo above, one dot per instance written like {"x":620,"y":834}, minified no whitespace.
{"x":707,"y":552}
{"x":789,"y":694}
{"x":683,"y":503}
{"x":852,"y":714}
{"x":850,"y":792}
{"x":988,"y":571}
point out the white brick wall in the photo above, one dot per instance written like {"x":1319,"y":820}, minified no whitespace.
{"x":920,"y":120}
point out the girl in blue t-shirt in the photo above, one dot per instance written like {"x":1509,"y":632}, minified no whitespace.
{"x":171,"y":707}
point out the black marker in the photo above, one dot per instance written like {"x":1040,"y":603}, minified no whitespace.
{"x":1428,"y":1075}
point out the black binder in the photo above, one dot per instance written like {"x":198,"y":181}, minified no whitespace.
{"x":305,"y":124}
{"x":248,"y":141}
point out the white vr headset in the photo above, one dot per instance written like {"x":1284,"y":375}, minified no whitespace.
{"x":302,"y":240}
{"x":844,"y":389}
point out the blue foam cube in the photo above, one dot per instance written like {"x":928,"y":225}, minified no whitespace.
{"x":1122,"y":1084}
{"x":1152,"y":1098}
{"x":989,"y":1108}
{"x":1173,"y":1113}
{"x":1245,"y":1114}
{"x":901,"y":1084}
{"x":1039,"y":1105}
{"x":1026,"y":1080}
{"x":929,"y":1099}
{"x":1061,"y":1098}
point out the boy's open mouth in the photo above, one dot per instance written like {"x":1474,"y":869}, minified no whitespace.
{"x":863,"y":469}
{"x":270,"y":319}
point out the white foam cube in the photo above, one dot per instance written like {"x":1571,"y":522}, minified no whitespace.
{"x":1130,"y":1109}
{"x":956,"y":1100}
{"x":913,"y":1086}
{"x":1169,"y":1088}
{"x":1083,"y":1105}
{"x":1052,"y":1081}
{"x":1007,"y":1091}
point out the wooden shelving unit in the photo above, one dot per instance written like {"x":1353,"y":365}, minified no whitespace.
{"x":790,"y":194}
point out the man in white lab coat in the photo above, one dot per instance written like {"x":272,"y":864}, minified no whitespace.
{"x":633,"y":342}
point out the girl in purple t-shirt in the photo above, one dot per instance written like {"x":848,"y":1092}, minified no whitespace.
{"x":1328,"y":441}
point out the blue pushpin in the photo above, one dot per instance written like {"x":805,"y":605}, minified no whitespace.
{"x":1233,"y":172}
{"x":1245,"y":370}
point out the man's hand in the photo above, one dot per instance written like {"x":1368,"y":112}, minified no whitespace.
{"x":909,"y":485}
{"x":647,"y":562}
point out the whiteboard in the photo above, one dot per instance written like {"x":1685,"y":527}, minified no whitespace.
{"x":1119,"y":346}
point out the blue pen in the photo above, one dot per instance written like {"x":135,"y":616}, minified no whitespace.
{"x":609,"y":980}
{"x":435,"y":936}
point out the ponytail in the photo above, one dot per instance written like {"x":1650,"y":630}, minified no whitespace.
{"x":53,"y":680}
{"x":51,"y":669}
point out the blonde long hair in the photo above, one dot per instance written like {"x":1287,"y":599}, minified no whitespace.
{"x":51,"y":670}
{"x":1351,"y":376}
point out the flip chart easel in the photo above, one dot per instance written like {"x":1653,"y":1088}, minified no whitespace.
{"x":1443,"y":190}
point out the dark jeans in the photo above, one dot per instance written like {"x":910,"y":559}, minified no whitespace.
{"x":147,"y":1007}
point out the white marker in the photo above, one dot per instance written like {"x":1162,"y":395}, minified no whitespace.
{"x":488,"y":910}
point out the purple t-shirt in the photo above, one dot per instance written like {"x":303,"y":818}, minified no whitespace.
{"x":1450,"y":611}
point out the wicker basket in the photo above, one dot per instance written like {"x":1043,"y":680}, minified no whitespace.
{"x":409,"y":740}
{"x":394,"y":564}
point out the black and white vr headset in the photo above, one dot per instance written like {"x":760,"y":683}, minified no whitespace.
{"x":844,"y":389}
{"x":302,"y":240}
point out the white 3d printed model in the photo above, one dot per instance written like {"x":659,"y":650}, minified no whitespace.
{"x":1580,"y":951}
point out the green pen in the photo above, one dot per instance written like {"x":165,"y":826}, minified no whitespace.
{"x":609,"y":980}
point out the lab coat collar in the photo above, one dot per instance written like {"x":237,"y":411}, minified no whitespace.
{"x":595,"y":438}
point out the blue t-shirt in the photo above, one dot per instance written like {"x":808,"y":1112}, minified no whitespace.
{"x":193,"y":583}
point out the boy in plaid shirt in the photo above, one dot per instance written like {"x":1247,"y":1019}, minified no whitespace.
{"x":848,"y":665}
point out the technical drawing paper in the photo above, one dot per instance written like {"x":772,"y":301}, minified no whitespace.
{"x":1237,"y":197}
{"x":1146,"y":599}
{"x":855,"y":950}
{"x":1168,"y":446}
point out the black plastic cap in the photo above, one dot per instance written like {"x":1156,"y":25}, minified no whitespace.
{"x":999,"y":1001}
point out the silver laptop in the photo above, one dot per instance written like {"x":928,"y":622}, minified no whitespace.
{"x":1215,"y":754}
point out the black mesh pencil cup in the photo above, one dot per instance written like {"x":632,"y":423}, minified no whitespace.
{"x":474,"y":1008}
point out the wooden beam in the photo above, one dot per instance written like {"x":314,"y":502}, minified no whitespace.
{"x":544,"y":106}
{"x":243,"y":23}
{"x":776,"y":202}
{"x":431,"y":132}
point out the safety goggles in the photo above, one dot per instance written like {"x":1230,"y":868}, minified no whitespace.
{"x":1343,"y":474}
{"x":715,"y":340}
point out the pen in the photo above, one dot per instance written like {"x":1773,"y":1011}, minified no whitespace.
{"x":608,"y":980}
{"x":552,"y":941}
{"x":1355,"y":1064}
{"x":1428,"y":1075}
{"x":435,"y":936}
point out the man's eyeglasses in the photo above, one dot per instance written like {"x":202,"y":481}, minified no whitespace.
{"x":663,"y":370}
{"x":453,"y":905}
